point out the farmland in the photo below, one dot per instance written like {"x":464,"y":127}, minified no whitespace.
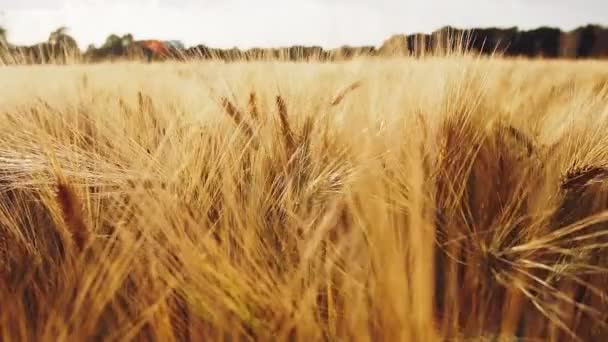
{"x":394,"y":199}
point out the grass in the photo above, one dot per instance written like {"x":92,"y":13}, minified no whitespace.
{"x":453,"y":198}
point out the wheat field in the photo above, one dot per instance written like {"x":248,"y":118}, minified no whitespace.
{"x":445,"y":198}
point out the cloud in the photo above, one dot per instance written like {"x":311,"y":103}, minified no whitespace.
{"x":7,"y":5}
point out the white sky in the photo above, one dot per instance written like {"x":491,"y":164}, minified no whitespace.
{"x":243,"y":23}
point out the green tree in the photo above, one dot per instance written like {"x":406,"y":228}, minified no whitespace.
{"x":61,"y":39}
{"x":3,"y":41}
{"x":61,"y":47}
{"x":112,"y":41}
{"x":127,"y":40}
{"x":91,"y":48}
{"x":116,"y":43}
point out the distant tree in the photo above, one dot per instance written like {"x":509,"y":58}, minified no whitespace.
{"x":56,"y":35}
{"x":587,"y":39}
{"x":3,"y":40}
{"x":91,"y":48}
{"x":115,"y":42}
{"x":116,"y":46}
{"x":61,"y":39}
{"x":60,"y":46}
{"x":127,"y":40}
{"x":112,"y":41}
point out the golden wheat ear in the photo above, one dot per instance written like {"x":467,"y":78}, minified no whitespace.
{"x":253,"y":106}
{"x":521,"y":138}
{"x":341,"y":95}
{"x":286,"y":130}
{"x":144,"y":102}
{"x":578,"y":190}
{"x":309,"y":126}
{"x":577,"y":179}
{"x":585,"y":195}
{"x":235,"y":114}
{"x":72,"y":213}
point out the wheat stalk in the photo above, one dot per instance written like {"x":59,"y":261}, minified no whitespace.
{"x":236,"y":116}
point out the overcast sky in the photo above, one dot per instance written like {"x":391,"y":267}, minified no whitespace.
{"x":246,"y":23}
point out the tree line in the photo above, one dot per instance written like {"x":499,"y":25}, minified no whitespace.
{"x":590,"y":41}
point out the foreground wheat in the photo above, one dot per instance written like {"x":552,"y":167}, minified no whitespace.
{"x":447,"y":198}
